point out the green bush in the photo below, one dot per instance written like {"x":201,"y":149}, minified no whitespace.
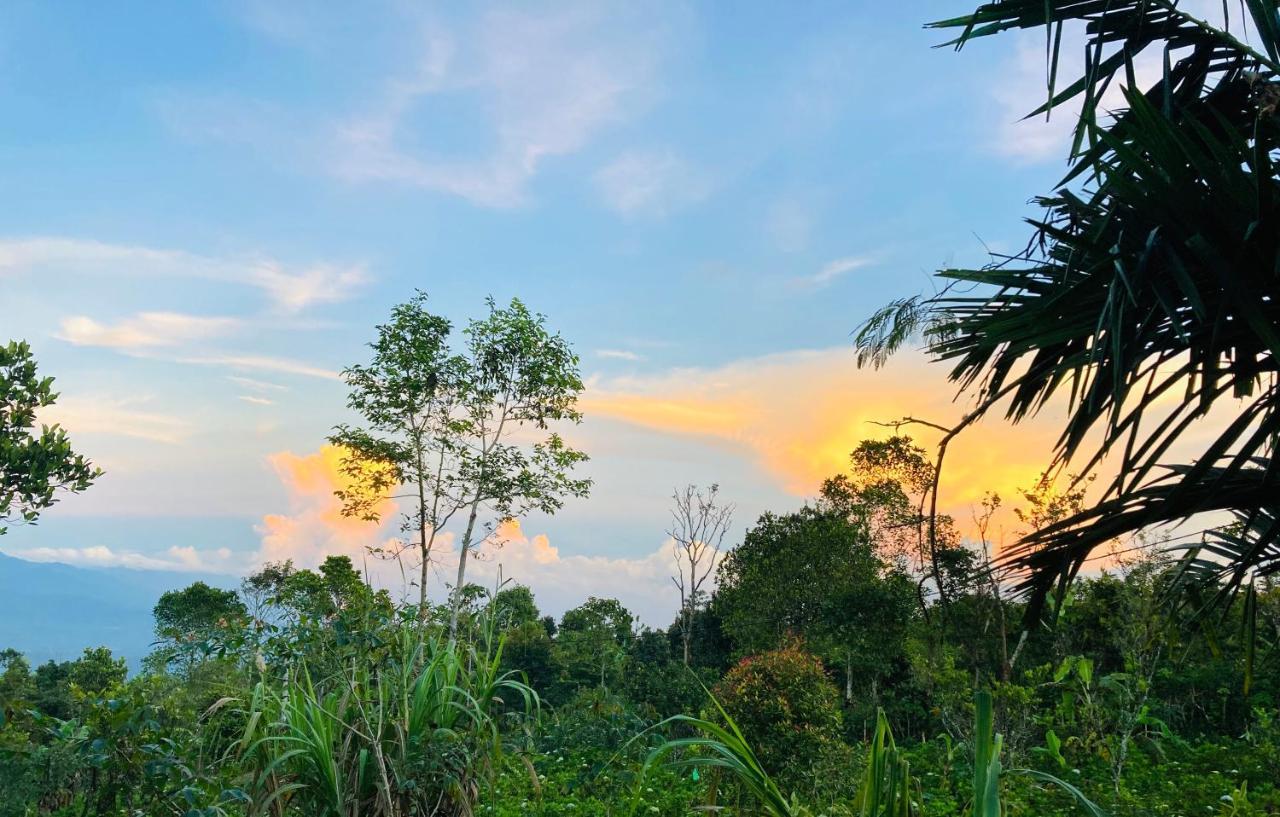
{"x":790,"y":713}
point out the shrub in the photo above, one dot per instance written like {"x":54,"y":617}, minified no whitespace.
{"x":790,"y":714}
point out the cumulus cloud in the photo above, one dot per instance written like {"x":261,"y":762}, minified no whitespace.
{"x":313,"y":527}
{"x":144,"y":330}
{"x":561,"y":581}
{"x":289,"y":289}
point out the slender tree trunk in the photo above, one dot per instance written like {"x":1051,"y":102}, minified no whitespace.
{"x":1013,"y":659}
{"x":424,"y":551}
{"x":462,"y":568}
{"x":848,"y":677}
{"x":687,"y":634}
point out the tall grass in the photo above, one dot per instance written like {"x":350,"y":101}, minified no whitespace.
{"x":888,"y":787}
{"x":413,"y":729}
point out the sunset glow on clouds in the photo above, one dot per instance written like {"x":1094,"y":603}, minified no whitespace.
{"x":798,"y":416}
{"x":313,"y":526}
{"x":706,"y":239}
{"x":793,"y":417}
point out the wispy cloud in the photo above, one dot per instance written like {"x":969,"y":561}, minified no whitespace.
{"x":257,"y":401}
{"x":831,"y":271}
{"x":83,"y":414}
{"x":295,"y":290}
{"x":619,"y":354}
{"x":653,"y":184}
{"x":255,"y":385}
{"x":1022,"y":88}
{"x":261,"y":363}
{"x":547,"y":83}
{"x":188,"y":558}
{"x":154,"y":335}
{"x":289,"y":289}
{"x":789,"y":223}
{"x":144,"y":330}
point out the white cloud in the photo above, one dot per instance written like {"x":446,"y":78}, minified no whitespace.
{"x":1022,"y":87}
{"x":262,"y":363}
{"x":561,"y":581}
{"x":144,"y":330}
{"x":833,"y":270}
{"x":313,"y":527}
{"x":82,"y":414}
{"x":289,"y":290}
{"x":619,"y":354}
{"x":546,"y":83}
{"x":650,"y":184}
{"x":255,"y":400}
{"x":256,"y":385}
{"x":295,"y":290}
{"x":174,"y":558}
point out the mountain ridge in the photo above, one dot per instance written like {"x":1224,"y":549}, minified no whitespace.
{"x":51,"y":610}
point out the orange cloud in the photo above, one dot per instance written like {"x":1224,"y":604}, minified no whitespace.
{"x":315,"y":527}
{"x":798,"y":415}
{"x":538,"y":549}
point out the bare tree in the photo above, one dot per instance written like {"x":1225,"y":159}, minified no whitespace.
{"x":699,"y":524}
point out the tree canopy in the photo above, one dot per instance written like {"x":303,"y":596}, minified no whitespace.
{"x":34,"y":465}
{"x":1148,"y":276}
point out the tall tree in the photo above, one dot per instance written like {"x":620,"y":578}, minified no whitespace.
{"x":699,"y":523}
{"x":1152,"y":272}
{"x":890,"y":490}
{"x":465,"y":431}
{"x":519,"y":378}
{"x":408,"y":395}
{"x":815,"y":574}
{"x":34,"y":466}
{"x":592,"y":641}
{"x":186,"y":619}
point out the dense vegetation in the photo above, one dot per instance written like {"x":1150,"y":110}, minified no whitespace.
{"x":857,"y":655}
{"x":309,"y":693}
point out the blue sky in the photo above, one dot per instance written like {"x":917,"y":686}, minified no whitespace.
{"x":209,"y":205}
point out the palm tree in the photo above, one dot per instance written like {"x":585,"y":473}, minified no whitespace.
{"x":1153,"y":272}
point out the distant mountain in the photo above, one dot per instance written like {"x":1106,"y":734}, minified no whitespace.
{"x":50,"y":610}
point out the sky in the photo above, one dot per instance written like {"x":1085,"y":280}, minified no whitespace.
{"x":209,"y":206}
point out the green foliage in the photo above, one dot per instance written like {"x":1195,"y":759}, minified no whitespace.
{"x":188,"y":620}
{"x":34,"y":466}
{"x":415,"y":731}
{"x":888,"y":788}
{"x":441,"y":424}
{"x":1141,"y":281}
{"x":591,"y":643}
{"x":790,"y":712}
{"x":815,"y":574}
